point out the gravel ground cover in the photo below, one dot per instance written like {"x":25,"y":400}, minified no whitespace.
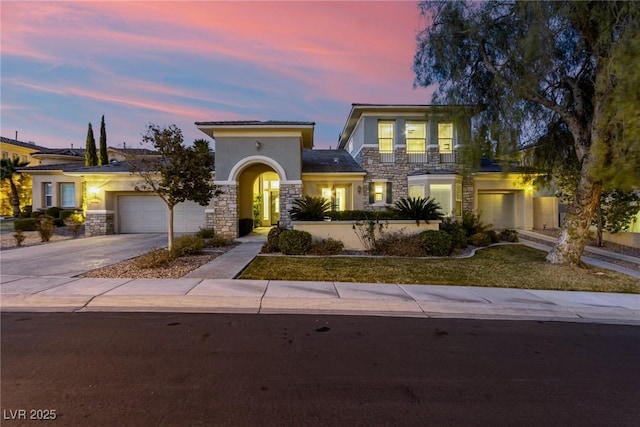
{"x":172,"y":270}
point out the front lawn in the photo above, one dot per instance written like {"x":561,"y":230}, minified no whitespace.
{"x":509,"y":266}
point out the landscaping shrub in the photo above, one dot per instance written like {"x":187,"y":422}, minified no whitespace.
{"x":399,"y":244}
{"x":19,"y":236}
{"x":272,"y":240}
{"x":45,"y":226}
{"x":53,"y":212}
{"x":57,"y":222}
{"x":38,"y":214}
{"x":480,"y":239}
{"x":245,"y":226}
{"x":369,"y":232}
{"x":327,"y":247}
{"x":294,"y":242}
{"x":418,"y":209}
{"x":26,"y":212}
{"x":66,"y":213}
{"x":187,"y":245}
{"x":508,"y":235}
{"x":217,"y":241}
{"x":361,"y":215}
{"x":454,"y":229}
{"x":74,"y":222}
{"x":25,"y":224}
{"x":310,"y":208}
{"x":472,"y":224}
{"x":493,"y":236}
{"x":206,"y":233}
{"x":155,"y":258}
{"x":436,"y":242}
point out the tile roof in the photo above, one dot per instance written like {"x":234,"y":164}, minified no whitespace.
{"x":330,"y":161}
{"x":21,"y":143}
{"x":64,"y":167}
{"x":73,"y":152}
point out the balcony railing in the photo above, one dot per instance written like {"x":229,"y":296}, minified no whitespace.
{"x":449,"y":158}
{"x":417,"y":157}
{"x":387,"y":156}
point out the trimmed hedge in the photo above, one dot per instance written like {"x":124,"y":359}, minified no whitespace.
{"x":24,"y":224}
{"x":436,"y":242}
{"x":66,"y":213}
{"x":272,"y":240}
{"x":54,"y":212}
{"x":327,"y":247}
{"x":294,"y":242}
{"x":480,"y":239}
{"x":361,"y":215}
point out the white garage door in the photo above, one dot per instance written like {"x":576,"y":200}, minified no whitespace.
{"x":148,"y":214}
{"x":497,"y":209}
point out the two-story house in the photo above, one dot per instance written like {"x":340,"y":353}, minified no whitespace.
{"x":385,"y":153}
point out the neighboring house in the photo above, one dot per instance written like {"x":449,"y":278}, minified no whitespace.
{"x":14,"y":149}
{"x":385,"y":153}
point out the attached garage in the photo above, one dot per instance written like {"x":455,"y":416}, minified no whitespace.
{"x":498,"y":209}
{"x":149,"y":214}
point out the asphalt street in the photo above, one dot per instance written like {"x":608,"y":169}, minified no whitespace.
{"x":202,"y":369}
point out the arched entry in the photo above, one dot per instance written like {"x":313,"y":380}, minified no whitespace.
{"x":259,"y":194}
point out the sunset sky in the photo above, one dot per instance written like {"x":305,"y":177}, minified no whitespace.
{"x":65,"y":64}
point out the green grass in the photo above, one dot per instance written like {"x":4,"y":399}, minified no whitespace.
{"x":509,"y":266}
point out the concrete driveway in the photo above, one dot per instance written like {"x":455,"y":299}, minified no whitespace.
{"x":69,"y":258}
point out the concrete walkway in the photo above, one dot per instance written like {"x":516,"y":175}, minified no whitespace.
{"x":545,"y":243}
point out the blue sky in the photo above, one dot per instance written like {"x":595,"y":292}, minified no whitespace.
{"x":65,"y":64}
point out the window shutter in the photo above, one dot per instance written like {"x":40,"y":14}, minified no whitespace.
{"x":389,"y":195}
{"x":372,"y":193}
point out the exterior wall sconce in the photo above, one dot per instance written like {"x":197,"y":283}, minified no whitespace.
{"x":93,"y":193}
{"x":359,"y":189}
{"x":258,"y":145}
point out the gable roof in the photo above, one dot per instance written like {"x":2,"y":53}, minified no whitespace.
{"x":329,"y":161}
{"x":63,"y":167}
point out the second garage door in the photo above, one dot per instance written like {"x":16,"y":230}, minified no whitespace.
{"x":497,"y":209}
{"x":148,"y":214}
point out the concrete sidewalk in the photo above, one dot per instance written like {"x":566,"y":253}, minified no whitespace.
{"x":64,"y":294}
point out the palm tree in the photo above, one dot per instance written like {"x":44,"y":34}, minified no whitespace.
{"x":8,"y":171}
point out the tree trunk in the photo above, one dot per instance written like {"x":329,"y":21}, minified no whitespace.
{"x":575,"y":230}
{"x":15,"y":199}
{"x":600,"y":225}
{"x":170,"y":233}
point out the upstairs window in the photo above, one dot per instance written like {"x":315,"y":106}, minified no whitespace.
{"x":445,"y":138}
{"x":416,"y":136}
{"x":385,"y":136}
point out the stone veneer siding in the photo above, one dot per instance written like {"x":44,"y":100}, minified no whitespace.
{"x":99,"y":224}
{"x":225,"y":214}
{"x":397,"y":171}
{"x":288,"y":193}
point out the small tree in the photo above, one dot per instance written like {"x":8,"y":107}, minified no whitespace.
{"x":615,"y":212}
{"x":9,"y":172}
{"x":90,"y":156}
{"x":179,"y":173}
{"x":103,"y":157}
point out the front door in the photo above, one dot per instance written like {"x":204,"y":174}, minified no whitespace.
{"x":274,"y":197}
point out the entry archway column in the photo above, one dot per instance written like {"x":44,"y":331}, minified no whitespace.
{"x":289,"y":192}
{"x":225,"y":213}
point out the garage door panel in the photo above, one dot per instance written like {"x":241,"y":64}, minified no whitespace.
{"x":149,"y":214}
{"x":497,"y":209}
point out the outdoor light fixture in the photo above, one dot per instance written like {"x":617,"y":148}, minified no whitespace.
{"x":93,"y":192}
{"x":258,"y":145}
{"x":359,"y":189}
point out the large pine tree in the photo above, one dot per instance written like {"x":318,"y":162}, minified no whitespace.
{"x":103,"y":157}
{"x":90,"y":156}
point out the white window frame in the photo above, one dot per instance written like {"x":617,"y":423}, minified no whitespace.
{"x":386,"y":144}
{"x":420,"y":186}
{"x":444,"y":141}
{"x":415,"y":142}
{"x":47,"y":194}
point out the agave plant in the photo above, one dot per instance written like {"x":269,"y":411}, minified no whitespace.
{"x":418,"y":208}
{"x":310,"y":209}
